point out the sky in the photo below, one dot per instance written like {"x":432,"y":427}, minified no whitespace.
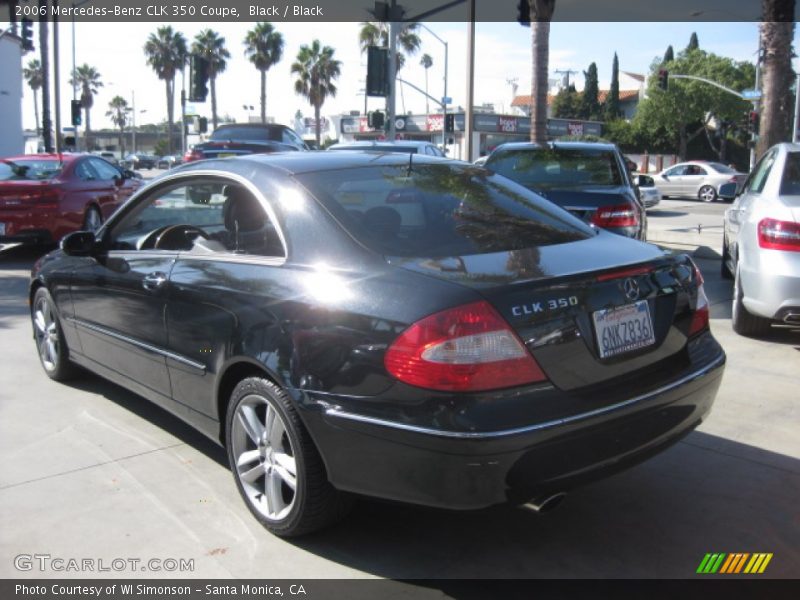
{"x":503,"y":53}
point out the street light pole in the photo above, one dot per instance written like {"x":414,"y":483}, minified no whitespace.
{"x":444,"y":99}
{"x":133,"y":122}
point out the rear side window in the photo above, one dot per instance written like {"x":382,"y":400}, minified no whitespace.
{"x":558,"y":167}
{"x":253,"y":134}
{"x":440,"y":210}
{"x":790,"y":184}
{"x":758,"y":179}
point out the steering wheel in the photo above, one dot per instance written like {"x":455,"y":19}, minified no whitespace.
{"x":172,"y":237}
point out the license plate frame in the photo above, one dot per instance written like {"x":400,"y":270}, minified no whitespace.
{"x":623,"y":329}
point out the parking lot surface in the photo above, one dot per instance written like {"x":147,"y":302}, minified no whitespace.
{"x":89,"y":470}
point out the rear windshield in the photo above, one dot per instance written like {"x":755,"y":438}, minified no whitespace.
{"x":440,"y":210}
{"x":558,"y":167}
{"x":251,"y":134}
{"x":29,"y":169}
{"x":790,"y":184}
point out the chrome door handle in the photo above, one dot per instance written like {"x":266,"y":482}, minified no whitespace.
{"x":153,"y":281}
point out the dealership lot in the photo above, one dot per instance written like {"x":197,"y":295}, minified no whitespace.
{"x":89,"y":470}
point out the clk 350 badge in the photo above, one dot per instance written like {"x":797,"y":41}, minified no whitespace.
{"x":536,"y":307}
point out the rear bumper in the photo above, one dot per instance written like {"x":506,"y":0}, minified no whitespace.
{"x":470,"y":470}
{"x":772,"y":285}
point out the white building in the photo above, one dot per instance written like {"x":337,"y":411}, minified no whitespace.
{"x":12,"y":141}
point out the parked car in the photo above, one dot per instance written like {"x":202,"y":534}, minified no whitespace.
{"x":140,"y":161}
{"x":169,"y":161}
{"x":407,"y":146}
{"x":761,"y":243}
{"x":109,"y":156}
{"x":43,"y":197}
{"x":648,"y":192}
{"x":588,"y":179}
{"x":696,"y":179}
{"x":343,"y":323}
{"x":238,"y":139}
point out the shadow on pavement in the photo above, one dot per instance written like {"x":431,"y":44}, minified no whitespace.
{"x":657,"y":212}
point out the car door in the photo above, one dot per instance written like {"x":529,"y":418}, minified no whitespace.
{"x":670,"y":181}
{"x":692,"y":180}
{"x":113,"y":192}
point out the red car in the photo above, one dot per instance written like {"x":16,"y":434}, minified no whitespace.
{"x":43,"y":197}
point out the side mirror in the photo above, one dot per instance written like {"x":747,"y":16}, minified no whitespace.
{"x":727,"y":191}
{"x":645,"y":181}
{"x":78,"y":243}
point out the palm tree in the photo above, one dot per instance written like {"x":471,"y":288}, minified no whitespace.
{"x":427,"y":62}
{"x":44,"y":53}
{"x":209,"y":45}
{"x":316,"y":69}
{"x":377,"y":34}
{"x":118,"y":110}
{"x":776,"y":34}
{"x":166,"y":53}
{"x":264,"y":48}
{"x":33,"y":76}
{"x":541,"y":12}
{"x":88,"y":78}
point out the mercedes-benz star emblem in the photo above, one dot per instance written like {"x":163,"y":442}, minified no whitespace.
{"x":631,"y":289}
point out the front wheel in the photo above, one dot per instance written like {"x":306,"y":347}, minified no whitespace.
{"x":275,"y":464}
{"x":707,"y":193}
{"x":53,"y":351}
{"x":743,"y":321}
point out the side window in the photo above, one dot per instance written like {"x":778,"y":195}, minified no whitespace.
{"x":758,"y":179}
{"x":85,"y":172}
{"x":290,"y":137}
{"x":675,"y":171}
{"x":104,"y":170}
{"x":201,"y":217}
{"x":790,"y":185}
{"x":698,"y":170}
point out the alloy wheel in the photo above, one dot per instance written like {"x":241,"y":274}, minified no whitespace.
{"x":46,"y":331}
{"x":707,"y":193}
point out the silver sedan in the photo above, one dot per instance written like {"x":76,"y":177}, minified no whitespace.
{"x":696,"y":179}
{"x":761,"y":243}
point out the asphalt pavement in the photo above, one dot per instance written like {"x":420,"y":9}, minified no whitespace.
{"x":89,"y":470}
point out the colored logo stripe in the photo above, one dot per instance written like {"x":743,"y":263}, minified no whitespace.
{"x":721,"y":562}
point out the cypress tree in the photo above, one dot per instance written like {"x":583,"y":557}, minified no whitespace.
{"x":669,"y":55}
{"x":693,"y":43}
{"x":590,"y":106}
{"x":612,"y":102}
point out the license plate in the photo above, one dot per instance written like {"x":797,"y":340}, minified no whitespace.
{"x":225,"y":154}
{"x":623,"y":329}
{"x":2,"y":228}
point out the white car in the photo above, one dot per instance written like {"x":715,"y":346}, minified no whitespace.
{"x":648,"y":192}
{"x":696,"y":179}
{"x":761,"y":243}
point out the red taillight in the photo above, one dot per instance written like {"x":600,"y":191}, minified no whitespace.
{"x":192,"y":155}
{"x":701,"y":314}
{"x":779,"y":235}
{"x":469,"y":348}
{"x":618,"y":215}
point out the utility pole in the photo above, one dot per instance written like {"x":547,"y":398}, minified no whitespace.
{"x":468,"y":127}
{"x":57,"y":78}
{"x":391,"y":99}
{"x":566,"y":73}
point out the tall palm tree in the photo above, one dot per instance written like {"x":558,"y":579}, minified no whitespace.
{"x":118,"y":110}
{"x":541,"y":12}
{"x":316,"y":69}
{"x":211,"y":46}
{"x":427,"y":62}
{"x":166,"y":53}
{"x":33,"y":76}
{"x":776,"y":34}
{"x":375,"y":33}
{"x":44,"y":53}
{"x":88,"y":78}
{"x":264,"y":48}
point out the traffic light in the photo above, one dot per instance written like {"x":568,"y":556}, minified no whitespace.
{"x":524,"y":13}
{"x":76,"y":112}
{"x":377,"y":71}
{"x":663,"y":79}
{"x":202,"y":125}
{"x":753,"y":121}
{"x":376,"y":120}
{"x":198,"y":74}
{"x":450,"y":123}
{"x":27,"y":34}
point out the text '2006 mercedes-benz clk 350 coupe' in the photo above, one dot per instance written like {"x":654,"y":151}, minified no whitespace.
{"x":402,"y":327}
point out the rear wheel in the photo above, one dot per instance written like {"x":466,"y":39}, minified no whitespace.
{"x":744,"y":322}
{"x":92,"y":220}
{"x":277,"y":468}
{"x":53,"y":351}
{"x":707,"y":193}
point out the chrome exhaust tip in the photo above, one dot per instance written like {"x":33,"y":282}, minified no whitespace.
{"x":545,"y":504}
{"x":792,"y":318}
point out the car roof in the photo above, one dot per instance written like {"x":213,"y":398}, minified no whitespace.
{"x":556,"y":144}
{"x":371,"y":143}
{"x":64,"y":157}
{"x":252,"y":125}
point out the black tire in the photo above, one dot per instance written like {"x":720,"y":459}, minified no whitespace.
{"x":92,"y":219}
{"x":724,"y":271}
{"x":50,"y":343}
{"x":707,"y":193}
{"x":744,"y":322}
{"x":262,"y":470}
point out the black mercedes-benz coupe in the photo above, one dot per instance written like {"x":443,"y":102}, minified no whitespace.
{"x":397,"y":326}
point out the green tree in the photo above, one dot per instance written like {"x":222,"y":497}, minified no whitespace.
{"x":567,"y":104}
{"x":776,"y":35}
{"x":590,"y":105}
{"x":427,"y":62}
{"x":540,"y":15}
{"x":33,"y":77}
{"x":118,"y":110}
{"x":669,"y":55}
{"x":611,"y":107}
{"x":211,"y":46}
{"x":88,"y":79}
{"x":316,"y":69}
{"x":694,"y":44}
{"x":684,"y":111}
{"x":166,"y":54}
{"x":264,"y":48}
